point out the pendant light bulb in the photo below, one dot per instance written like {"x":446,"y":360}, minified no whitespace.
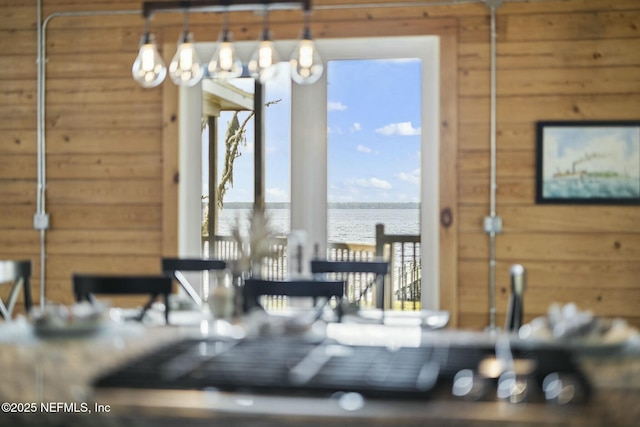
{"x":185,"y":68}
{"x":306,"y":63}
{"x":225,"y":64}
{"x":262,"y":65}
{"x":148,"y":69}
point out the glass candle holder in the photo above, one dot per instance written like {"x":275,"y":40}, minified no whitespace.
{"x":221,"y":294}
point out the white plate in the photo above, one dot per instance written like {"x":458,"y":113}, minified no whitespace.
{"x":425,"y":318}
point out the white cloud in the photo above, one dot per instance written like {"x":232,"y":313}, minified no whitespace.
{"x":356,"y":127}
{"x":412,"y":177}
{"x":401,"y":129}
{"x":380,"y":183}
{"x":277,"y":194}
{"x":336,"y":106}
{"x":363,"y":149}
{"x":371,"y":183}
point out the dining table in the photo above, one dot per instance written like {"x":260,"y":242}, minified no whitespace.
{"x":49,"y":380}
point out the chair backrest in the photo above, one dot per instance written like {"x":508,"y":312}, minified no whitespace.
{"x":175,"y":266}
{"x":170,"y":265}
{"x":85,"y":286}
{"x":343,"y":269}
{"x":253,"y":289}
{"x":18,"y":273}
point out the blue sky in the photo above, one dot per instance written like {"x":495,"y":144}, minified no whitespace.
{"x":373,"y":134}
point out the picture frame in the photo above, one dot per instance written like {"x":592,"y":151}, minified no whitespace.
{"x":588,"y":162}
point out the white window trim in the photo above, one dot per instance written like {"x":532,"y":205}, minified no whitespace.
{"x":309,"y":149}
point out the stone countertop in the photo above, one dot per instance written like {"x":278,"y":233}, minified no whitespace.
{"x":58,"y":372}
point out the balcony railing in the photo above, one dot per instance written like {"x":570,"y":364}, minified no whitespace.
{"x":402,"y":252}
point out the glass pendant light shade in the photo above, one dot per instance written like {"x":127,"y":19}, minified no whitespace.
{"x":225,"y":64}
{"x":262,"y":65}
{"x":306,"y":64}
{"x":185,"y":68}
{"x":148,"y":69}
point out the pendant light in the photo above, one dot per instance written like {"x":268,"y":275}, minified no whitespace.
{"x":306,"y":63}
{"x":262,"y":65}
{"x":225,"y":64}
{"x":185,"y":68}
{"x":148,"y":68}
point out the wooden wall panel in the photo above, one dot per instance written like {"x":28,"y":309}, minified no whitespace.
{"x":474,"y":190}
{"x":573,"y":26}
{"x":553,"y":81}
{"x":550,"y":274}
{"x":509,"y":136}
{"x":509,"y":164}
{"x":18,"y":166}
{"x":587,"y":247}
{"x":16,"y":242}
{"x":170,"y":171}
{"x":18,"y":141}
{"x":101,"y":116}
{"x":62,"y":268}
{"x":112,"y":155}
{"x":16,"y":217}
{"x":18,"y":16}
{"x":108,"y":192}
{"x":448,"y":180}
{"x":18,"y":91}
{"x":92,"y":90}
{"x":555,"y":61}
{"x":534,"y":108}
{"x":104,"y":141}
{"x":609,"y":303}
{"x":106,"y":217}
{"x":104,"y":166}
{"x":17,"y":116}
{"x":17,"y":67}
{"x":552,"y":54}
{"x":557,"y":219}
{"x":108,"y":242}
{"x":18,"y":42}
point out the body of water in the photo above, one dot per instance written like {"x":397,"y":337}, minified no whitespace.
{"x":592,"y":187}
{"x":350,"y":225}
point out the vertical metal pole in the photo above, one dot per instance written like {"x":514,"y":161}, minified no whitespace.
{"x":259,"y":151}
{"x":492,"y":233}
{"x":40,"y":199}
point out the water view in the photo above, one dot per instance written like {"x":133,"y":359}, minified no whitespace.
{"x":350,"y":223}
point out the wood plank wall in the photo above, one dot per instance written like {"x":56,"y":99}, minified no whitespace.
{"x":110,"y":144}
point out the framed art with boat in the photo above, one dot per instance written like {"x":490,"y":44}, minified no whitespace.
{"x":588,"y":162}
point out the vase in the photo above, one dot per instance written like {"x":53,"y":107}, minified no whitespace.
{"x":221,"y":294}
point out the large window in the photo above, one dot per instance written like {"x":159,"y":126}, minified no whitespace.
{"x":239,"y":193}
{"x":308,"y":171}
{"x":373,"y":137}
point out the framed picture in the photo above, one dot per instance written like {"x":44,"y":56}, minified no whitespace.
{"x":588,"y":162}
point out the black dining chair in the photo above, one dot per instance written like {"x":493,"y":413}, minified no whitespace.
{"x":175,"y":266}
{"x":343,"y":270}
{"x":18,"y":273}
{"x":253,"y":289}
{"x":85,"y":286}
